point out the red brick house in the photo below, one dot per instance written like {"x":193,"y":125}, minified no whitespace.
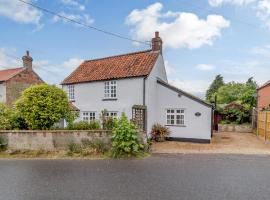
{"x":14,"y":81}
{"x":263,"y":95}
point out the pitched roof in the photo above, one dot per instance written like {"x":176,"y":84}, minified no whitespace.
{"x":265,"y":84}
{"x":121,"y":66}
{"x":183,"y":93}
{"x":9,"y":73}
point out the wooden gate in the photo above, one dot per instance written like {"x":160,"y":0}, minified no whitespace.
{"x":264,"y":124}
{"x":139,"y":116}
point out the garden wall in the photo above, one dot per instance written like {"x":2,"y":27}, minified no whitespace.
{"x":240,"y":128}
{"x":51,"y":140}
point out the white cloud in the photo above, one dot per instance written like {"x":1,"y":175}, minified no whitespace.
{"x":74,"y":3}
{"x":169,"y":69}
{"x":205,"y":67}
{"x":177,"y":29}
{"x":73,"y":63}
{"x":84,"y":18}
{"x":20,"y":12}
{"x":216,"y":3}
{"x":261,"y":51}
{"x":195,"y":87}
{"x":7,"y":58}
{"x":263,"y":12}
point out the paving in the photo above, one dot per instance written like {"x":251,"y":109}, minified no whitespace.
{"x":222,"y":143}
{"x":160,"y":177}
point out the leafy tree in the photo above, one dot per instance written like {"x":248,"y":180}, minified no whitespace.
{"x":125,"y":140}
{"x":229,"y":92}
{"x":213,"y":88}
{"x":41,"y":106}
{"x":5,"y":117}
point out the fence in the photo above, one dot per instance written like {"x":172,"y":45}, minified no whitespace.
{"x":263,"y":125}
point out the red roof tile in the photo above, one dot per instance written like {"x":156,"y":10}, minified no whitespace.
{"x":9,"y":73}
{"x":122,"y":66}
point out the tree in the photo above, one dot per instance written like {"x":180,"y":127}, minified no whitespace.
{"x":229,"y":92}
{"x":41,"y":106}
{"x":213,"y":88}
{"x":5,"y":117}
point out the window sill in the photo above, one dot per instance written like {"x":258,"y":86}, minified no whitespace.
{"x":72,"y":100}
{"x":109,"y":99}
{"x":177,"y":125}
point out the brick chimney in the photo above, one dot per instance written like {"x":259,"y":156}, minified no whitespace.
{"x":27,"y":61}
{"x":157,"y":43}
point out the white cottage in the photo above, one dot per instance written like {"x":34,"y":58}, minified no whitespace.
{"x":136,"y":84}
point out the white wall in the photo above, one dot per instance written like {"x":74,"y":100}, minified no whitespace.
{"x":2,"y":92}
{"x":151,"y":91}
{"x":89,"y":96}
{"x":195,"y":127}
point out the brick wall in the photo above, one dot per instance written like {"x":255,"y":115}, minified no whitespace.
{"x":19,"y":83}
{"x":264,"y":97}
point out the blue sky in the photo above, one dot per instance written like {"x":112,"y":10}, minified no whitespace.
{"x":201,"y":38}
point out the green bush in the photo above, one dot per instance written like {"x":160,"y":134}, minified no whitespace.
{"x":85,"y":125}
{"x":3,"y":144}
{"x":159,"y":132}
{"x":107,"y":122}
{"x":41,"y":106}
{"x":5,"y":117}
{"x":125,"y":140}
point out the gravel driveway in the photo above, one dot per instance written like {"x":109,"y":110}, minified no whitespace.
{"x":222,"y":142}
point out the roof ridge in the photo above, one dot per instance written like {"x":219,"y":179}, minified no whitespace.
{"x":12,"y":68}
{"x":125,"y":54}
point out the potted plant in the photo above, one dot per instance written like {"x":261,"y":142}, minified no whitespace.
{"x":159,"y":132}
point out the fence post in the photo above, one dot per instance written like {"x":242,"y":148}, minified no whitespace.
{"x":265,"y":127}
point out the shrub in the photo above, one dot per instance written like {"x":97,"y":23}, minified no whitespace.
{"x":5,"y":117}
{"x":106,"y":121}
{"x":97,"y":145}
{"x":41,"y":106}
{"x":85,"y":125}
{"x":125,"y":140}
{"x":3,"y":144}
{"x":159,"y":132}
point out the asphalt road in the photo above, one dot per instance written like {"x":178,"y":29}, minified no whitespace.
{"x":195,"y":177}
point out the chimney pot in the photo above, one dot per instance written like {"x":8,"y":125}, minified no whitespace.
{"x":156,"y":34}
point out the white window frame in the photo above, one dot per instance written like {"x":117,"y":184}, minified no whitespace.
{"x":71,"y":92}
{"x":88,"y":116}
{"x":110,"y":89}
{"x":175,"y":116}
{"x":111,"y":114}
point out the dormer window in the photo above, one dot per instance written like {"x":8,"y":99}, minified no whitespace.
{"x":110,"y":89}
{"x":71,"y":95}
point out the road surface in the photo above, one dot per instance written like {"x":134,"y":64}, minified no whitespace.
{"x":160,"y":177}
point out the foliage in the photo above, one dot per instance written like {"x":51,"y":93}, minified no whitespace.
{"x":159,"y":132}
{"x":41,"y":106}
{"x":5,"y":117}
{"x":213,"y":88}
{"x":71,"y":118}
{"x":85,"y":125}
{"x":3,"y":144}
{"x":107,"y":122}
{"x":17,"y":121}
{"x":238,"y":116}
{"x":87,"y":148}
{"x":125,"y":140}
{"x":97,"y":145}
